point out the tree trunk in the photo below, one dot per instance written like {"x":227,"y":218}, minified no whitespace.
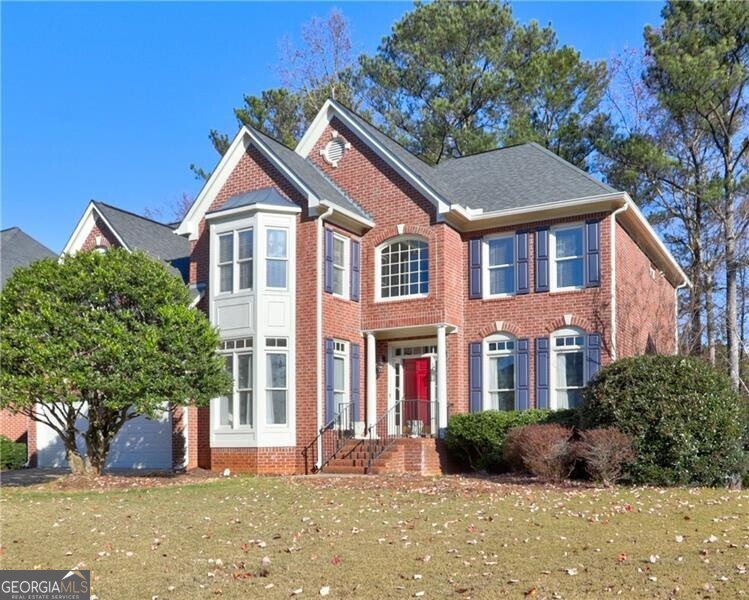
{"x":732,"y":330}
{"x":710,"y":317}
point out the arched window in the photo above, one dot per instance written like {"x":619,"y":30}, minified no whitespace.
{"x":568,"y":366}
{"x":499,"y":393}
{"x":403,"y":267}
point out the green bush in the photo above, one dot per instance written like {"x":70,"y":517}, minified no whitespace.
{"x":686,"y":423}
{"x":12,"y":454}
{"x":475,"y":439}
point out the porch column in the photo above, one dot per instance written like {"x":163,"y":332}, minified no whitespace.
{"x":441,"y":380}
{"x":371,"y":382}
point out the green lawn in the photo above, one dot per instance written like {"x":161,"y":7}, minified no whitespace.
{"x":384,"y":537}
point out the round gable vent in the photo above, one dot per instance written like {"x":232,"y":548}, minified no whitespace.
{"x":334,"y":150}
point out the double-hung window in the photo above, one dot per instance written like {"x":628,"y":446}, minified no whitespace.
{"x":276,"y":381}
{"x":500,"y":263}
{"x":404,"y":269}
{"x":236,"y":410}
{"x":340,"y":368}
{"x":277,"y":258}
{"x":234,"y":263}
{"x":500,"y":392}
{"x":568,"y":347}
{"x":569,"y":257}
{"x":340,"y":265}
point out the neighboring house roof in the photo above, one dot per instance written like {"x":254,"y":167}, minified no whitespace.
{"x":269,"y":195}
{"x":141,"y":233}
{"x":513,"y":177}
{"x":19,"y":249}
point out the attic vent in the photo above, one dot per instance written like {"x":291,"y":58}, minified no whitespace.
{"x":334,"y":150}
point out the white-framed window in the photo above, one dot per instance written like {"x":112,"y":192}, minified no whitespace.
{"x":234,"y":264}
{"x":277,"y":258}
{"x":340,"y":373}
{"x":568,"y":368}
{"x":276,"y":381}
{"x":341,"y":258}
{"x":567,"y":243}
{"x":499,"y":258}
{"x":403,"y":269}
{"x":499,"y":393}
{"x":237,"y":411}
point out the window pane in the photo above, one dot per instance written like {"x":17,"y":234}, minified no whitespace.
{"x":276,"y":275}
{"x":502,"y":373}
{"x":226,"y":247}
{"x":226,"y":411}
{"x":245,"y":275}
{"x":502,"y":400}
{"x":338,"y":281}
{"x":501,"y":251}
{"x":245,"y":408}
{"x":226,"y":276}
{"x":276,"y":370}
{"x":277,"y":243}
{"x":570,"y":273}
{"x":245,"y":244}
{"x":502,"y":280}
{"x":569,"y":398}
{"x":339,"y":398}
{"x":338,"y":251}
{"x":338,"y":373}
{"x":569,"y":369}
{"x":569,"y":242}
{"x":276,"y":407}
{"x":405,"y":269}
{"x":244,"y":371}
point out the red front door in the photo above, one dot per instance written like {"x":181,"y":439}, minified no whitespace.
{"x":417,"y":392}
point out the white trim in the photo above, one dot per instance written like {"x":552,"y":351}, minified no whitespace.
{"x":485,"y":267}
{"x":240,"y":210}
{"x":553,"y":352}
{"x":553,"y":256}
{"x":85,"y":224}
{"x":499,"y":336}
{"x":321,"y":121}
{"x":348,"y":214}
{"x":345,"y":354}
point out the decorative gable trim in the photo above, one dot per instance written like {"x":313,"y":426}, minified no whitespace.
{"x":86,"y":223}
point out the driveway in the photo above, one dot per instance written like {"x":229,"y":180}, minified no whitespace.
{"x":25,"y":477}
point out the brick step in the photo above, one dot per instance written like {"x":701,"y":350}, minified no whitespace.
{"x":345,"y":462}
{"x":344,"y":470}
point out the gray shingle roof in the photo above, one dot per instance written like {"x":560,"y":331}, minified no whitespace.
{"x":19,"y":249}
{"x":311,"y":176}
{"x":269,"y":195}
{"x":513,"y":177}
{"x":141,"y":233}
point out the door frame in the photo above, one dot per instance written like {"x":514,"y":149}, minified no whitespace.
{"x":395,"y":362}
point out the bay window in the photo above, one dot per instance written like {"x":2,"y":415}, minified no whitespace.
{"x":236,"y":410}
{"x":276,"y":381}
{"x":234,"y":261}
{"x":277,"y":258}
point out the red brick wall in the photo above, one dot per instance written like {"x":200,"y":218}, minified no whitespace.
{"x":100,"y":230}
{"x":259,"y":461}
{"x":645,"y":302}
{"x":19,"y":428}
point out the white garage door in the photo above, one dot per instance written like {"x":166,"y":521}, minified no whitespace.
{"x":141,"y":444}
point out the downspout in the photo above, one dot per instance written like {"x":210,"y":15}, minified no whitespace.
{"x":621,"y":209}
{"x":320,"y":272}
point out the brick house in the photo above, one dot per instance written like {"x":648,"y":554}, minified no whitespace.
{"x":365,"y":294}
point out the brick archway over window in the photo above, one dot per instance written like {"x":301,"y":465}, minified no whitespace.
{"x":499,"y":327}
{"x":394,"y":231}
{"x":569,"y":321}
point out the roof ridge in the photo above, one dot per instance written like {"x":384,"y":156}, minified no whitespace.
{"x":570,"y":166}
{"x":481,"y":153}
{"x":16,"y":227}
{"x":132,"y":214}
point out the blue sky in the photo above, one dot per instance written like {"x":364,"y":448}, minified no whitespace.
{"x":113,"y":101}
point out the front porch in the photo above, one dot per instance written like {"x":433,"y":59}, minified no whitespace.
{"x":405,"y":413}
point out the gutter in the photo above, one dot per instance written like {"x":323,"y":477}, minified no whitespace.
{"x":619,"y":210}
{"x":319,"y":298}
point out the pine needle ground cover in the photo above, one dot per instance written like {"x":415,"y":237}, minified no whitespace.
{"x":384,"y":537}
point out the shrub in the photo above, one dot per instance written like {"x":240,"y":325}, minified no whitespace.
{"x":476,"y":439}
{"x":544,"y":450}
{"x":605,"y":452}
{"x":686,"y":423}
{"x":12,"y":454}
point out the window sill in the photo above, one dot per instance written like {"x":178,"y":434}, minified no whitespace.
{"x":340,"y":297}
{"x":500,"y":297}
{"x":567,"y":290}
{"x":401,"y":298}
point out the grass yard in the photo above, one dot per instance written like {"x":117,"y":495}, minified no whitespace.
{"x":384,"y":537}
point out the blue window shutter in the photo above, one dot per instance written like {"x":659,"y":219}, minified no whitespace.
{"x":355,"y":382}
{"x":522,"y":400}
{"x":542,"y":372}
{"x":592,"y":253}
{"x":542,"y":259}
{"x":328,"y":261}
{"x":329,"y":366}
{"x":593,"y":347}
{"x":474,"y":263}
{"x":474,"y":376}
{"x":521,"y":262}
{"x":355,"y":270}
